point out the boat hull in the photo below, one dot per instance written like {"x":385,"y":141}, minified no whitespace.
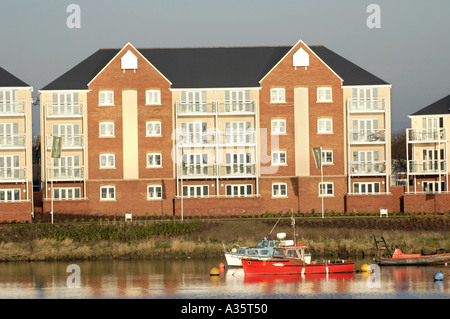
{"x":417,"y":261}
{"x":233,"y":260}
{"x":287,"y":267}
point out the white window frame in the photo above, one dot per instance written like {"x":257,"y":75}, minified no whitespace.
{"x":155,"y":192}
{"x":276,"y":128}
{"x":276,"y":158}
{"x":66,"y":190}
{"x":326,"y":185}
{"x":154,"y":159}
{"x":322,"y":125}
{"x":13,"y":192}
{"x":107,"y":126}
{"x":366,"y":185}
{"x":277,"y":188}
{"x":324,"y":94}
{"x":195,"y":191}
{"x":153,"y":97}
{"x":435,"y":185}
{"x":277,"y":95}
{"x":106,"y":98}
{"x":239,"y":190}
{"x":110,"y":189}
{"x":108,"y":157}
{"x":325,"y":160}
{"x":152,"y":131}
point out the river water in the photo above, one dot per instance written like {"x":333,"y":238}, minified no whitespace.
{"x":191,"y":279}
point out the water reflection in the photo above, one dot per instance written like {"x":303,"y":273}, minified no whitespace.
{"x":190,"y":278}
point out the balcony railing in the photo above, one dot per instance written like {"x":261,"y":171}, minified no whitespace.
{"x":12,"y":108}
{"x":66,"y":173}
{"x":58,"y":110}
{"x":427,"y":135}
{"x":13,"y":174}
{"x":12,"y":141}
{"x":192,"y":139}
{"x":216,"y":170}
{"x":368,"y":136}
{"x":367,"y":168}
{"x":236,"y":107}
{"x":427,"y":167}
{"x":367,"y":105}
{"x":215,"y":107}
{"x":245,"y":138}
{"x":68,"y":141}
{"x":245,"y":170}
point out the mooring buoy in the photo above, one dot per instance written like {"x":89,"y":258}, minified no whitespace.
{"x":439,"y":276}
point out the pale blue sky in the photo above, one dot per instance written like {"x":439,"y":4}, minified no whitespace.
{"x":411,"y":50}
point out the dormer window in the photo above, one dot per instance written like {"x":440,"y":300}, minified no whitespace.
{"x":129,"y":61}
{"x":300,"y":58}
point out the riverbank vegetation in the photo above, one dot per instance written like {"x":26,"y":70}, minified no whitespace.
{"x":338,"y":236}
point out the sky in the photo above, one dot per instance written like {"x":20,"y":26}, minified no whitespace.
{"x":410,"y":49}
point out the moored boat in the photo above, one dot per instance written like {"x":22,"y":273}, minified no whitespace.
{"x":399,"y":258}
{"x":291,"y":260}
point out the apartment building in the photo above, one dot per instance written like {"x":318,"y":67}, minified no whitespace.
{"x":16,"y":178}
{"x":427,"y":153}
{"x":216,"y":131}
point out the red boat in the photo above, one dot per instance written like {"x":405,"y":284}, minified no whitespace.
{"x":292,"y":260}
{"x":399,"y":258}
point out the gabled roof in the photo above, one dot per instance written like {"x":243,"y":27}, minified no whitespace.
{"x":219,"y":67}
{"x":9,"y":80}
{"x":440,"y":107}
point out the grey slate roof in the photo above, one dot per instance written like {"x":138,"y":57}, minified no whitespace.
{"x":9,"y":80}
{"x":439,"y":107}
{"x":211,"y":67}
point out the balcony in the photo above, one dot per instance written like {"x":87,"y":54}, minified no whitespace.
{"x":61,"y":111}
{"x":12,"y":108}
{"x":368,"y":137}
{"x":66,"y":173}
{"x":244,"y":138}
{"x":367,"y":168}
{"x":68,"y":141}
{"x":427,"y":135}
{"x":197,"y":171}
{"x":13,"y":141}
{"x":13,"y":174}
{"x":215,"y":170}
{"x":429,"y":167}
{"x":375,"y":105}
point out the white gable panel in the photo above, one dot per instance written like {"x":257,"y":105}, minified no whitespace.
{"x":300,"y":58}
{"x":129,"y":61}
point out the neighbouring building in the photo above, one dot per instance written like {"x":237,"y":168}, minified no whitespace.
{"x":216,"y":131}
{"x":427,"y":153}
{"x":16,"y":167}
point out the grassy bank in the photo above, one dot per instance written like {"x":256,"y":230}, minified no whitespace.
{"x":337,"y":236}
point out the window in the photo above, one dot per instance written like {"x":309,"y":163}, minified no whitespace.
{"x":326,"y":189}
{"x":366,"y":188}
{"x":9,"y":167}
{"x":65,"y":104}
{"x":278,"y":127}
{"x":107,"y":161}
{"x":69,"y":133}
{"x":106,"y":98}
{"x":66,"y":193}
{"x":327,"y":157}
{"x":324,"y":126}
{"x":238,"y":101}
{"x":195,"y":191}
{"x":324,"y":94}
{"x":279,"y":190}
{"x":277,"y":96}
{"x":154,"y":192}
{"x":154,"y":160}
{"x":153,"y":97}
{"x":9,"y":135}
{"x":107,"y":193}
{"x":238,"y":132}
{"x":239,"y":190}
{"x":153,"y":128}
{"x":432,"y":187}
{"x":239,"y":164}
{"x":9,"y":195}
{"x":106,"y":129}
{"x":193,"y":102}
{"x":67,"y":167}
{"x":279,"y":158}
